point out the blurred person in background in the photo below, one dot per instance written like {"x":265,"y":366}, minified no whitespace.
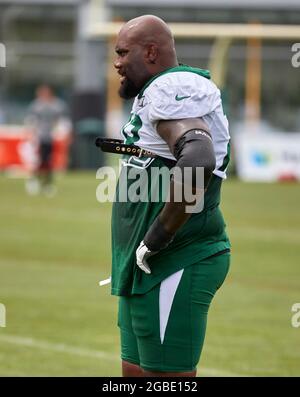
{"x":43,"y":115}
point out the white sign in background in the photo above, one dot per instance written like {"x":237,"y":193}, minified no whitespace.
{"x":267,"y":157}
{"x":2,"y":56}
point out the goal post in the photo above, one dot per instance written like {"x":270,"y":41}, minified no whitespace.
{"x":223,"y":35}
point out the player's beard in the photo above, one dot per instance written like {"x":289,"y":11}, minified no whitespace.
{"x":128,"y":89}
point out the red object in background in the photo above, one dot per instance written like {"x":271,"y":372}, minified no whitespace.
{"x":17,"y":149}
{"x":287,"y":177}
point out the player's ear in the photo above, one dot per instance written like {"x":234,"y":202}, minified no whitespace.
{"x":152,"y":53}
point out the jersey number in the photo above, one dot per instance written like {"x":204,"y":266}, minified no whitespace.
{"x":130,"y":131}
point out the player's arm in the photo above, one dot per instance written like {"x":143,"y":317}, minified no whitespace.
{"x":190,"y":142}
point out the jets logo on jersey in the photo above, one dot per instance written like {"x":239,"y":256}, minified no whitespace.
{"x":142,"y":102}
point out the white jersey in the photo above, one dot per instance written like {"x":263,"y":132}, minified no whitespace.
{"x":178,"y":93}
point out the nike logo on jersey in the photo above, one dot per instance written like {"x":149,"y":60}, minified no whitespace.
{"x":180,"y":98}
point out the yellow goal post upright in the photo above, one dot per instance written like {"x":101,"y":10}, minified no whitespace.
{"x":223,"y":36}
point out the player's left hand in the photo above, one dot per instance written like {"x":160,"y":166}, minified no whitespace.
{"x":142,"y":253}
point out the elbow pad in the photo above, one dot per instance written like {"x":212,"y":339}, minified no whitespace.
{"x":195,"y":149}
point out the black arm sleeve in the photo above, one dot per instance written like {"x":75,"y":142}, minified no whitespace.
{"x":195,"y":149}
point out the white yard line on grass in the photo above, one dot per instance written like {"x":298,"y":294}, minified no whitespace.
{"x":78,"y":351}
{"x":57,"y":347}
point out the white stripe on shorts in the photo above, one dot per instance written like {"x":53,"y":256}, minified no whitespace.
{"x":168,"y":288}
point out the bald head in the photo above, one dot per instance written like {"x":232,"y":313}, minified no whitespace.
{"x":145,"y":46}
{"x":149,"y":29}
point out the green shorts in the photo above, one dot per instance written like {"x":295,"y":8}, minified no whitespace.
{"x":164,"y":329}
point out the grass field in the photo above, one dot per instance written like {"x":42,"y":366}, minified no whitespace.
{"x":60,"y":322}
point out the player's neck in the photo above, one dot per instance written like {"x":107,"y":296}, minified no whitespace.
{"x":161,"y":67}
